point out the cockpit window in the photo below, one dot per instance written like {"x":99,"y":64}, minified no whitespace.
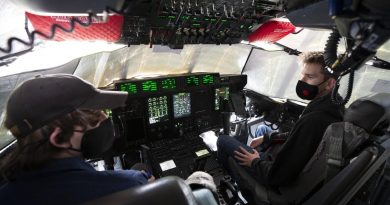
{"x":141,"y":61}
{"x":276,"y":73}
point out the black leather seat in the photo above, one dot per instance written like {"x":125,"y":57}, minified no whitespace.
{"x":345,"y":159}
{"x":167,"y":190}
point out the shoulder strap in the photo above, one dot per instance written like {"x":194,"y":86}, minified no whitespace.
{"x":334,"y":157}
{"x":343,"y":141}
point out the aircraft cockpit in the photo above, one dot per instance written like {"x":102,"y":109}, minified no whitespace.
{"x":196,"y":70}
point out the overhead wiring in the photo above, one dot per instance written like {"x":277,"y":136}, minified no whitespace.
{"x":54,"y":28}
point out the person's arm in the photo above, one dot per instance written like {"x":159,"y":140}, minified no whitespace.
{"x":135,"y":177}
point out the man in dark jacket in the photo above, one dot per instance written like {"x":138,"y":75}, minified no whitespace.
{"x":302,"y":141}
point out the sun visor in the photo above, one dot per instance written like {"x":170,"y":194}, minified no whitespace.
{"x":109,"y":31}
{"x":271,"y":31}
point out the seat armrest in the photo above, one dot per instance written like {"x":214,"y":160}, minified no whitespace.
{"x":167,"y":190}
{"x":204,"y":197}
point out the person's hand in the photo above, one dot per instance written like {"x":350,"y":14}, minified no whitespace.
{"x":256,"y":142}
{"x":151,"y":178}
{"x":245,"y":158}
{"x":149,"y":175}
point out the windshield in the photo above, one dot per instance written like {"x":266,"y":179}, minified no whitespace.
{"x":142,"y":61}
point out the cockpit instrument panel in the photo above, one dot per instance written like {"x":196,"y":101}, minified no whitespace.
{"x":171,"y":106}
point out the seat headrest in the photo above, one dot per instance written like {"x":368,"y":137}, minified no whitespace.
{"x":369,"y":112}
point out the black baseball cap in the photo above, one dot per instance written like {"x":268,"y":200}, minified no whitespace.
{"x":40,"y":100}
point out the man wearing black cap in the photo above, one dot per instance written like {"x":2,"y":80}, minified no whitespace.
{"x":57,"y":121}
{"x":302,"y":141}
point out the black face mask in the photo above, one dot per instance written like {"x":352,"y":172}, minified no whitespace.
{"x":307,"y":91}
{"x":97,"y":141}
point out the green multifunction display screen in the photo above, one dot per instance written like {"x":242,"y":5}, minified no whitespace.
{"x":149,"y":86}
{"x":192,"y":81}
{"x":208,"y":79}
{"x":131,"y":88}
{"x":169,"y":83}
{"x":181,"y":105}
{"x":158,"y":109}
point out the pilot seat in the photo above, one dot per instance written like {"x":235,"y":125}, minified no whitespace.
{"x":351,"y":155}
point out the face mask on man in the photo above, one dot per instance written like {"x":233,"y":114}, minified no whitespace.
{"x":307,"y":91}
{"x":97,"y":141}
